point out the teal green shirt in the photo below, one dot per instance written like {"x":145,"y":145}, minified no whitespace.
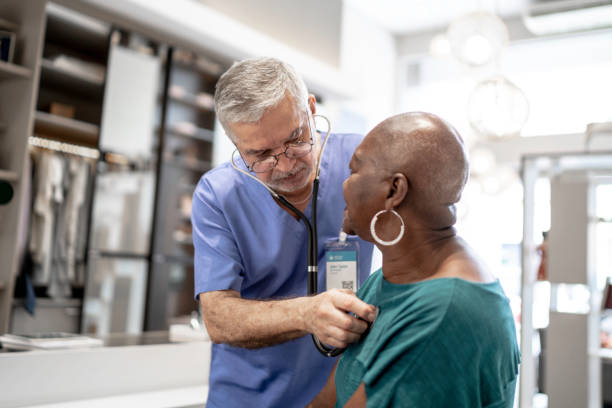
{"x":437,"y":343}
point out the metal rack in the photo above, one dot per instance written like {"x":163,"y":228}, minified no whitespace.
{"x":573,"y":357}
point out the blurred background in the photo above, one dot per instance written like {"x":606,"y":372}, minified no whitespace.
{"x":107,"y":123}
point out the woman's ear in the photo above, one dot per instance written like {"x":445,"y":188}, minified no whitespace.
{"x":397,"y":191}
{"x":312,"y":104}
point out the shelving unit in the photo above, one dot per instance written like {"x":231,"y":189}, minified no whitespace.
{"x":65,"y":129}
{"x":186,"y":151}
{"x":11,"y":71}
{"x":18,"y":89}
{"x":190,"y":164}
{"x":53,"y":98}
{"x":574,"y":362}
{"x":202,"y":101}
{"x":72,"y":72}
{"x":8,"y":25}
{"x":605,"y":354}
{"x":86,"y":37}
{"x":204,"y":135}
{"x":84,"y":84}
{"x":8,"y":175}
{"x":67,"y":101}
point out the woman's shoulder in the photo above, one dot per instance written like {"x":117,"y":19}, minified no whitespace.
{"x":464,"y":263}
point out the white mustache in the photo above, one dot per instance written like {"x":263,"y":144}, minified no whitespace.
{"x":282,"y":176}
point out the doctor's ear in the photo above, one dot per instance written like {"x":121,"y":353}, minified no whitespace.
{"x":398,"y":189}
{"x":312,"y":104}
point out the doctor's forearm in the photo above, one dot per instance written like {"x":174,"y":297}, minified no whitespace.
{"x":247,"y":323}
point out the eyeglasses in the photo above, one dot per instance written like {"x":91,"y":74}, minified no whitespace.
{"x":293,"y":150}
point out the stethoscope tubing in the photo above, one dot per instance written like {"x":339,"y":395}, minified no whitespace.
{"x":313,"y":258}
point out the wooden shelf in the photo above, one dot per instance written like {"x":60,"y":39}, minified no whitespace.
{"x":187,"y":163}
{"x":8,"y":71}
{"x":65,"y":129}
{"x":119,"y":254}
{"x":6,"y":175}
{"x":202,"y":66}
{"x":173,"y":259}
{"x":203,"y":102}
{"x":8,"y":25}
{"x":605,"y":353}
{"x":76,"y":31}
{"x":187,"y":188}
{"x":201,"y":134}
{"x":69,"y":80}
{"x":182,"y":238}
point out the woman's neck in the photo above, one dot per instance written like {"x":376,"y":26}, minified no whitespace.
{"x":420,"y":257}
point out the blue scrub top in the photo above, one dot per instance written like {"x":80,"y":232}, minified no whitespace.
{"x":245,"y":242}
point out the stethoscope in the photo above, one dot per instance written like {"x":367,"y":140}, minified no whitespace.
{"x":311,"y":227}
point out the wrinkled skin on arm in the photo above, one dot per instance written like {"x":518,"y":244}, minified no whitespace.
{"x":260,"y":323}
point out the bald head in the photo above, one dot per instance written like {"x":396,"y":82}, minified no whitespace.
{"x":431,"y":154}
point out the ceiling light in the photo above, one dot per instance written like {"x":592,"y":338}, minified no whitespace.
{"x":478,"y":38}
{"x":439,"y":46}
{"x":482,"y":160}
{"x":498,"y":108}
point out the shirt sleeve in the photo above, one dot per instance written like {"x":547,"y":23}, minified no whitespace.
{"x":217,"y":260}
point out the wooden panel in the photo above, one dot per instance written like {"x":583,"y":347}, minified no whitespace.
{"x":10,"y":71}
{"x":567,"y":245}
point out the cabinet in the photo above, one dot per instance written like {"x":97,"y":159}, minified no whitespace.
{"x":64,"y":92}
{"x":63,"y":148}
{"x":147,"y":204}
{"x":186,"y":153}
{"x":18,"y":88}
{"x":72,"y":73}
{"x":578,"y":248}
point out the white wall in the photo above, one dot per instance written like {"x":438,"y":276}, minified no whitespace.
{"x":311,"y":26}
{"x":191,"y":24}
{"x":368,"y":65}
{"x":368,"y":62}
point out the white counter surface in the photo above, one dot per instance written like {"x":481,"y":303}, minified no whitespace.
{"x":155,"y":375}
{"x":187,"y":397}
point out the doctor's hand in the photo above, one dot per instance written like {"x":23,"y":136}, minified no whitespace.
{"x":327,"y":317}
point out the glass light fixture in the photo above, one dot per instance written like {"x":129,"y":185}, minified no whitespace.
{"x":497,"y":180}
{"x":482,"y":160}
{"x":497,"y":108}
{"x":477,"y":38}
{"x":439,"y":46}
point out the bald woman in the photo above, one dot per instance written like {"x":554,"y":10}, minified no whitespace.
{"x":444,"y":335}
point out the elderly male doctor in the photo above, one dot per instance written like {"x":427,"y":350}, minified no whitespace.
{"x":251,"y":252}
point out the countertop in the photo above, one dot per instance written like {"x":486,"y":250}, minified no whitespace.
{"x":130,"y":370}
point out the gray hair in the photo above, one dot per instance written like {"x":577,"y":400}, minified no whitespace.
{"x":250,"y":87}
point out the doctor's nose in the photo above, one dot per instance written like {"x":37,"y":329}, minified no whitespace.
{"x":284,"y":163}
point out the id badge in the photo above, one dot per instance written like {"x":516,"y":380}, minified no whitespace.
{"x":341,"y":264}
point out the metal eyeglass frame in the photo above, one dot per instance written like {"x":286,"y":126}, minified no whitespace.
{"x":287,"y":146}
